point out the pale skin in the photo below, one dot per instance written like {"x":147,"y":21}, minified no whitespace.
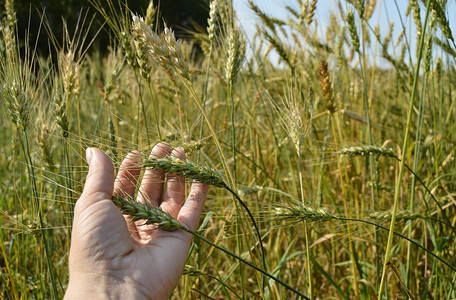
{"x":112,"y":258}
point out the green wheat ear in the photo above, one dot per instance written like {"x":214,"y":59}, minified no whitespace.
{"x":151,"y":215}
{"x":368,"y":150}
{"x":171,"y":164}
{"x":304,"y":213}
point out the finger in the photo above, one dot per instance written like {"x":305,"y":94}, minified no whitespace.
{"x":126,"y":180}
{"x":100,"y":179}
{"x":151,"y":188}
{"x":127,"y":177}
{"x":95,"y":205}
{"x":99,"y":229}
{"x":190,"y":213}
{"x":174,"y":195}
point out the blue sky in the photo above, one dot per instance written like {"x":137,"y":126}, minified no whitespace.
{"x":385,"y":13}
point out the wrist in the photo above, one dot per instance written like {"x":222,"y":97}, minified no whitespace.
{"x":87,"y":286}
{"x":99,"y":287}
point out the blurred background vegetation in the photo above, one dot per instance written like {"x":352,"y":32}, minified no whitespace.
{"x":180,"y":15}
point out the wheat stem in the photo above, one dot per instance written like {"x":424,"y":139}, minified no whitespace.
{"x":307,"y":213}
{"x":401,"y":236}
{"x":247,"y":263}
{"x":327,"y":92}
{"x":8,"y":270}
{"x":306,"y":233}
{"x":416,"y":151}
{"x":32,"y":179}
{"x":206,"y":84}
{"x":376,"y":150}
{"x":192,"y":271}
{"x":404,"y":150}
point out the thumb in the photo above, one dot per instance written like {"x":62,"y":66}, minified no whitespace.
{"x":99,"y":183}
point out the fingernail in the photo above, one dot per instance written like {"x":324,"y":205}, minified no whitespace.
{"x":89,"y":155}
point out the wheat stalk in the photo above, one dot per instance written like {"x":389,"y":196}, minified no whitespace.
{"x":306,"y":213}
{"x":192,"y":271}
{"x":325,"y":84}
{"x":381,"y":151}
{"x":404,"y":150}
{"x":156,"y":216}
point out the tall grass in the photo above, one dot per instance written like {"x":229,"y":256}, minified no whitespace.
{"x":330,"y":148}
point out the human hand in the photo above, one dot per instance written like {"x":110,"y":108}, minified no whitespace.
{"x":110,"y":257}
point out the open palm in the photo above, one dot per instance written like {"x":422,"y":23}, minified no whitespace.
{"x":114,"y":258}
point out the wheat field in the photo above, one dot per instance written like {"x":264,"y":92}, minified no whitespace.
{"x":330,"y":150}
